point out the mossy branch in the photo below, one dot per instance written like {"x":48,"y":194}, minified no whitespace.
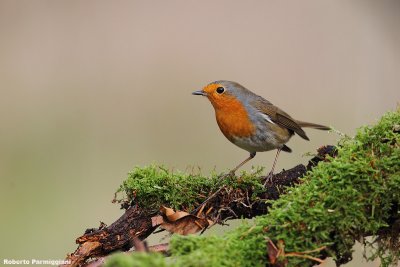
{"x":147,"y":189}
{"x":343,"y":199}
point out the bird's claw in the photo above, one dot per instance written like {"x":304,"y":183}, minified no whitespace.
{"x":269,"y":178}
{"x":231,"y":173}
{"x":228,"y":174}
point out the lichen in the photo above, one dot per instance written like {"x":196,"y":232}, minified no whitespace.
{"x":354,"y":195}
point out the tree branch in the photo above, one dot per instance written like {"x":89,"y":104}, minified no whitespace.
{"x":228,"y":203}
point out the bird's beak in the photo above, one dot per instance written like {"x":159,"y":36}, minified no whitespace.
{"x":199,"y":92}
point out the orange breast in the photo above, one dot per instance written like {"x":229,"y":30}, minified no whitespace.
{"x":232,"y":119}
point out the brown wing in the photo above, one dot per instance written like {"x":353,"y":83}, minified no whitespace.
{"x":279,"y":116}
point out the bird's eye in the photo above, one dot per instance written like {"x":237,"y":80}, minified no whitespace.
{"x":220,"y":90}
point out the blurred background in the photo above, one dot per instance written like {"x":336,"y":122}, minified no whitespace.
{"x":90,"y":89}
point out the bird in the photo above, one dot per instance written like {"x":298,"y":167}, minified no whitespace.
{"x":251,"y":122}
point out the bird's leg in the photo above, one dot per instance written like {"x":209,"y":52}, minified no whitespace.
{"x":252,"y":155}
{"x":271,"y":173}
{"x":231,"y":173}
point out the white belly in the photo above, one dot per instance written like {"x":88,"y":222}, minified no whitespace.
{"x":255,"y":144}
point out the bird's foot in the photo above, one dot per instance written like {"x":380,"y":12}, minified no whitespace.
{"x":269,"y":178}
{"x":228,"y":174}
{"x":231,"y":173}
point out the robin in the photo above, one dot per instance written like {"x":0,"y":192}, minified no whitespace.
{"x":252,"y":122}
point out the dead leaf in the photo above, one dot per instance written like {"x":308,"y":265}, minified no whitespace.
{"x":181,"y":222}
{"x":274,"y":253}
{"x":172,"y":215}
{"x":157,"y":220}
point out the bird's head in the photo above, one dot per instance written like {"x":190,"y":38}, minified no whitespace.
{"x":222,"y":93}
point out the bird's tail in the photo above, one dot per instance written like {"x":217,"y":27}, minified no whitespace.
{"x":313,"y":125}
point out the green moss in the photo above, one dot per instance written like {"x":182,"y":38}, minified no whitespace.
{"x":352,"y":195}
{"x":153,"y":186}
{"x":243,"y":247}
{"x":140,"y":260}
